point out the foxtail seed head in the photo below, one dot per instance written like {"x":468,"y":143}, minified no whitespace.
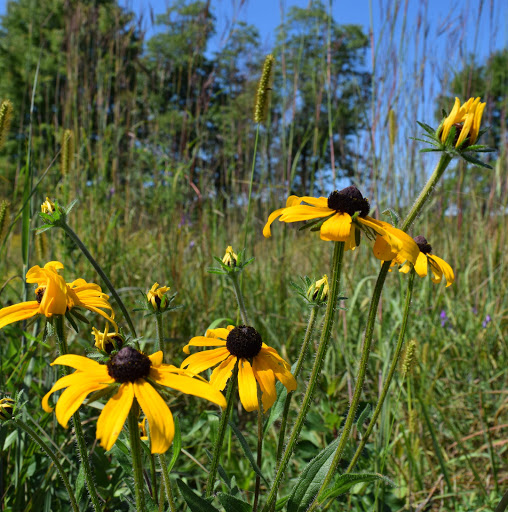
{"x":409,"y":358}
{"x":41,"y":246}
{"x":263,"y":91}
{"x":5,"y":120}
{"x":5,"y":207}
{"x":67,"y":152}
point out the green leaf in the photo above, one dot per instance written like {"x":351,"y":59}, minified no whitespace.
{"x":247,"y":450}
{"x":471,"y":159}
{"x":362,"y":417}
{"x":216,"y":323}
{"x":311,"y":479}
{"x":345,"y":482}
{"x":195,"y":502}
{"x":232,"y":504}
{"x":176,"y":446}
{"x":280,"y":503}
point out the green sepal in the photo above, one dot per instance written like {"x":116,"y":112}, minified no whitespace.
{"x":71,"y":321}
{"x":475,"y":161}
{"x":427,"y":128}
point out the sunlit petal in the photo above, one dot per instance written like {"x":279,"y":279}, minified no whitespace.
{"x":247,"y":386}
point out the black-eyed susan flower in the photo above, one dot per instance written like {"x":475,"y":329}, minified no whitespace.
{"x":256,"y":361}
{"x":156,"y":296}
{"x":230,"y":258}
{"x":438,"y":266}
{"x":344,"y":212}
{"x":466,"y":119}
{"x":54,"y":296}
{"x":6,"y":408}
{"x":107,"y":341}
{"x":134,"y":375}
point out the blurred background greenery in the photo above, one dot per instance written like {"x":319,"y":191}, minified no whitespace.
{"x":162,"y":143}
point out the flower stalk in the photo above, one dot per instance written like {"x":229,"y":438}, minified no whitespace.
{"x":137,"y":464}
{"x":239,"y":298}
{"x":338,"y":255}
{"x":167,"y":483}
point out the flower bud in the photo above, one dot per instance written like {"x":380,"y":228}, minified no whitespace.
{"x":230,"y":258}
{"x":313,"y":291}
{"x":48,"y":206}
{"x":156,"y":296}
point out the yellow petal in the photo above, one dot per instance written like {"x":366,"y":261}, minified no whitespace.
{"x":279,"y":367}
{"x":80,"y":363}
{"x":383,"y":250}
{"x":114,"y":414}
{"x":222,"y":373}
{"x":405,"y":268}
{"x":445,"y":268}
{"x":160,"y":419}
{"x":468,"y":123}
{"x":303,"y":212}
{"x":266,"y":379}
{"x":156,"y":358}
{"x":188,"y":385}
{"x":18,"y":312}
{"x":450,"y":120}
{"x":267,"y":232}
{"x":247,"y":386}
{"x":201,"y":361}
{"x":204,"y":341}
{"x":473,"y":134}
{"x":421,"y":265}
{"x":337,"y":228}
{"x":220,"y":332}
{"x":69,"y":380}
{"x":321,"y":202}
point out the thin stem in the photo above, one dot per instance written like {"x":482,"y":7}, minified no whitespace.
{"x":221,"y":433}
{"x":160,"y":335}
{"x":137,"y":464}
{"x":338,"y":254}
{"x":239,"y":297}
{"x":76,"y":419}
{"x":81,"y":246}
{"x":167,"y":484}
{"x":303,"y":350}
{"x":21,"y":424}
{"x":426,"y":191}
{"x":153,"y":477}
{"x":260,"y":450}
{"x":389,"y":377}
{"x":250,"y":186}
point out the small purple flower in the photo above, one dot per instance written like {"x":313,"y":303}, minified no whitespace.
{"x":474,"y":309}
{"x":444,"y":318}
{"x":486,"y":321}
{"x":192,"y":244}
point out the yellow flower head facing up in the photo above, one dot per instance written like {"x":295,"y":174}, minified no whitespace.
{"x":6,"y":408}
{"x":438,"y":266}
{"x":466,"y":119}
{"x":256,"y":361}
{"x":230,"y":258}
{"x":48,"y":206}
{"x":54,"y":296}
{"x":345,"y":211}
{"x":107,"y":341}
{"x":313,"y":291}
{"x":156,"y":294}
{"x":131,"y":372}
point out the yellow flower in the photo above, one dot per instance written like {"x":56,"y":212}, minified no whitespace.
{"x":313,"y":290}
{"x":106,"y":341}
{"x":6,"y":408}
{"x":156,"y":294}
{"x":242,"y":345}
{"x":142,"y":430}
{"x":466,"y":119}
{"x":337,"y":210}
{"x":131,"y":369}
{"x":54,"y":296}
{"x":48,"y":206}
{"x":438,"y":266}
{"x":230,"y":258}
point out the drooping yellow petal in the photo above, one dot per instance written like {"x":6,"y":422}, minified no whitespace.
{"x":114,"y":414}
{"x":156,"y":358}
{"x":303,"y":212}
{"x":219,"y":332}
{"x":160,"y":419}
{"x":279,"y":367}
{"x":445,"y":269}
{"x":405,"y":268}
{"x":222,"y":373}
{"x":18,"y":312}
{"x":188,"y":385}
{"x":247,"y":386}
{"x":266,"y":379}
{"x":383,"y":250}
{"x":337,"y":228}
{"x":421,"y":265}
{"x":320,"y":202}
{"x":76,"y":378}
{"x":201,"y":361}
{"x":203,"y":341}
{"x":291,"y":201}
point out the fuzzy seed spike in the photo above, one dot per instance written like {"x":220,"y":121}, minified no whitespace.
{"x":263,"y":91}
{"x":6,"y":109}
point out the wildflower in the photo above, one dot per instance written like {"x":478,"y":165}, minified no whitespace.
{"x":230,"y":258}
{"x":128,"y":371}
{"x":319,"y":290}
{"x":487,"y":321}
{"x":107,"y":341}
{"x":256,"y":361}
{"x":438,"y":266}
{"x":344,"y":212}
{"x":55,"y":297}
{"x":466,"y":120}
{"x":48,"y":206}
{"x":6,"y":408}
{"x":156,"y":296}
{"x":142,"y":430}
{"x":444,"y":318}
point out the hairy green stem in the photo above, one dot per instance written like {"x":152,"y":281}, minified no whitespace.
{"x":338,"y":255}
{"x":81,"y":246}
{"x":239,"y":297}
{"x":160,"y":332}
{"x":389,"y":377}
{"x":250,"y":186}
{"x":259,"y":451}
{"x":76,"y":420}
{"x":303,"y":350}
{"x":22,"y":425}
{"x":167,"y":484}
{"x":137,"y":463}
{"x":222,"y":432}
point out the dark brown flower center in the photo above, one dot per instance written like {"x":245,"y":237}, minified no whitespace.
{"x":349,"y":200}
{"x":129,"y":365}
{"x":244,"y":341}
{"x":39,"y":293}
{"x":422,"y":244}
